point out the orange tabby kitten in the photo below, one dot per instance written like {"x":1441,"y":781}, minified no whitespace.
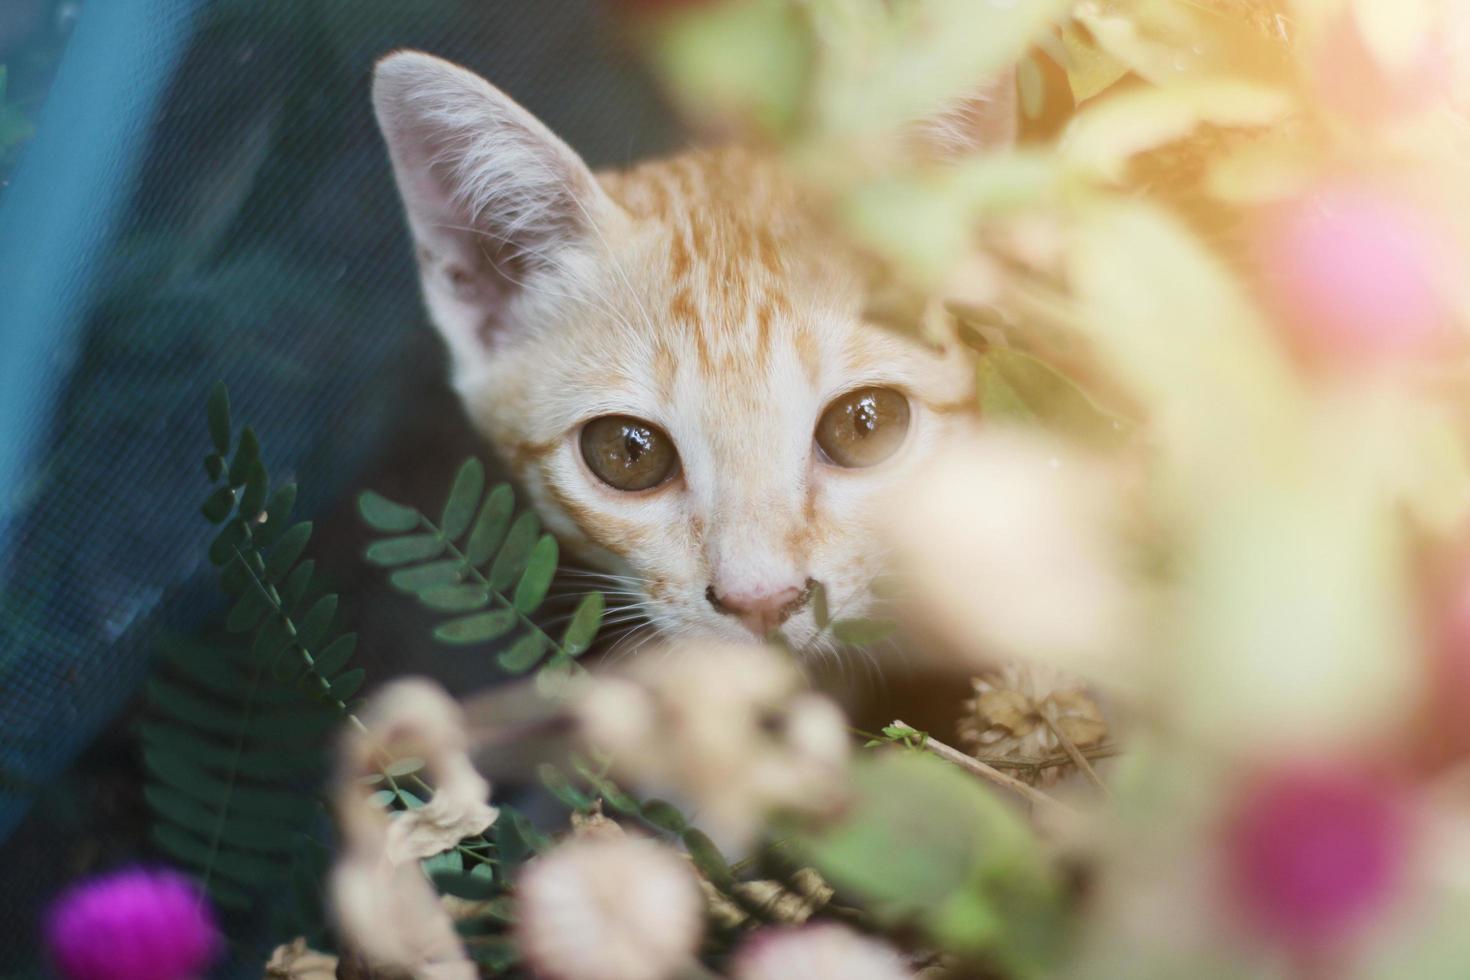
{"x":673,"y":360}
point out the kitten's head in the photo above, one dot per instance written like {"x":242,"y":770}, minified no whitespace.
{"x":674,"y":359}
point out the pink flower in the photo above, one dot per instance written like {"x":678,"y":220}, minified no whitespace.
{"x":1352,"y":271}
{"x":1314,"y":852}
{"x":132,"y":925}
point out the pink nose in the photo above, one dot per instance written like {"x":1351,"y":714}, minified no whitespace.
{"x":760,"y":611}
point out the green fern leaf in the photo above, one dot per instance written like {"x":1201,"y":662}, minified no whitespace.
{"x":217,"y":410}
{"x":277,"y":515}
{"x":297,"y":584}
{"x":257,"y":484}
{"x":445,"y":572}
{"x":536,"y":580}
{"x":247,"y":612}
{"x":586,"y":621}
{"x":336,"y":655}
{"x":219,"y":505}
{"x":382,"y":514}
{"x":478,"y":628}
{"x":231,"y":537}
{"x":464,"y":496}
{"x":400,"y":551}
{"x":524,"y":654}
{"x":516,"y":551}
{"x":286,"y":550}
{"x":490,"y":525}
{"x":455,"y":598}
{"x":247,"y":454}
{"x":345,"y":686}
{"x":318,"y":620}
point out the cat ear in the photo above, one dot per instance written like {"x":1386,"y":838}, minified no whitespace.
{"x":986,"y":119}
{"x":496,"y":203}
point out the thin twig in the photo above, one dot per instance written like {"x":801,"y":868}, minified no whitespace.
{"x":1074,"y":753}
{"x":1005,"y":763}
{"x":975,"y":767}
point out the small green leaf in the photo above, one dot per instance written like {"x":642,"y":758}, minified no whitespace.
{"x":277,"y":514}
{"x":247,"y":454}
{"x":665,"y":816}
{"x":464,"y":496}
{"x":536,"y":580}
{"x":219,"y":505}
{"x":820,"y":614}
{"x":286,"y":550}
{"x":257,"y":482}
{"x":445,"y":572}
{"x":399,"y":551}
{"x":403,"y":767}
{"x":297,"y":584}
{"x":497,"y":955}
{"x":515,"y":552}
{"x":606,"y":788}
{"x":214,"y":466}
{"x":230,"y":537}
{"x":586,"y":621}
{"x":247,"y":611}
{"x":556,"y":781}
{"x":455,"y":598}
{"x":490,"y":526}
{"x":336,"y":655}
{"x":383,"y":514}
{"x":863,"y":632}
{"x":345,"y":686}
{"x":217,"y":409}
{"x":271,"y":639}
{"x":462,"y":884}
{"x":477,"y":628}
{"x":707,"y":858}
{"x":524,"y":654}
{"x":318,"y":620}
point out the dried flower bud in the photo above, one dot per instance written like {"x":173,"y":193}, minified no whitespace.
{"x":594,"y":909}
{"x":415,"y":719}
{"x":297,"y":961}
{"x":1007,"y":718}
{"x":132,"y":925}
{"x":817,"y":952}
{"x":730,"y":728}
{"x":384,"y":907}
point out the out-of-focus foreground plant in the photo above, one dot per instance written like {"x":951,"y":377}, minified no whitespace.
{"x":1221,"y":470}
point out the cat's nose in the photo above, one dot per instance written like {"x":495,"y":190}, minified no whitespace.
{"x":761,"y":610}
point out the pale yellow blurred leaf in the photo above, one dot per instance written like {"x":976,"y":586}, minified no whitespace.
{"x":1103,"y":138}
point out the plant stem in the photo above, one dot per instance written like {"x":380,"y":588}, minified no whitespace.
{"x":990,"y":774}
{"x":1074,"y":753}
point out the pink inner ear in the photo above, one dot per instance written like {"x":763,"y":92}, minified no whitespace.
{"x":493,"y":197}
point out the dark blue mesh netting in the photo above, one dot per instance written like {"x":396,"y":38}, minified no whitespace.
{"x":205,"y":197}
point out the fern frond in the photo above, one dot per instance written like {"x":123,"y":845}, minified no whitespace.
{"x":488,"y":568}
{"x":233,"y":733}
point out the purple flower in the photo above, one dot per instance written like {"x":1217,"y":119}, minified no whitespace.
{"x":1316,"y":852}
{"x":138,"y":924}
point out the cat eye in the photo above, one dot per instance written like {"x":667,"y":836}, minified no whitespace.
{"x":628,"y":453}
{"x":863,"y":427}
